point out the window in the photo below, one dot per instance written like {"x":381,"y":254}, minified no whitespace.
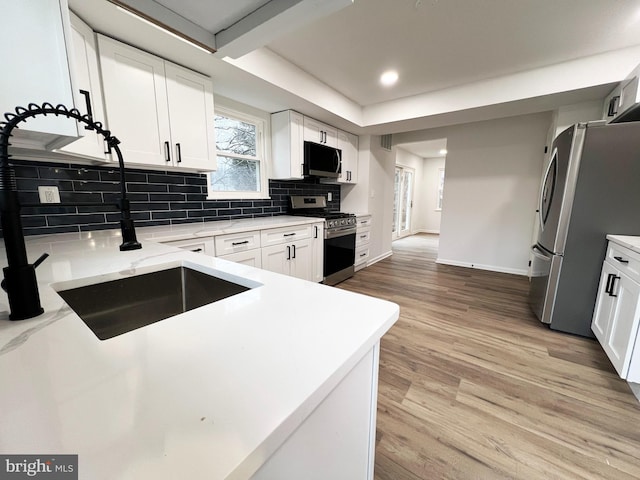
{"x":440,"y":188}
{"x":240,"y":149}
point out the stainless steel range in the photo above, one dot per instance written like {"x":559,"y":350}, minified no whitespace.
{"x":339,"y":236}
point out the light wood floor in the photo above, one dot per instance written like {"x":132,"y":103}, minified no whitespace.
{"x":472,"y":386}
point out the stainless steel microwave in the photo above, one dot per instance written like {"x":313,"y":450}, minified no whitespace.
{"x":321,"y":160}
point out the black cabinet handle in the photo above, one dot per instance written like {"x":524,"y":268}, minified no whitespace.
{"x":316,"y":234}
{"x":613,"y":106}
{"x":167,"y":152}
{"x":87,"y":101}
{"x":363,"y":254}
{"x":607,"y":288}
{"x":196,"y":250}
{"x":239,"y":243}
{"x":289,"y":234}
{"x":621,"y":260}
{"x":288,"y":252}
{"x":363,"y":236}
{"x":179,"y":152}
{"x":612,"y":285}
{"x":294,"y":251}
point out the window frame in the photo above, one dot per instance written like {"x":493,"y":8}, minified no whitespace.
{"x":261,"y":157}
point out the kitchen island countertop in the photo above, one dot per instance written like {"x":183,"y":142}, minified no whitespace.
{"x":631,"y":242}
{"x":210,"y":393}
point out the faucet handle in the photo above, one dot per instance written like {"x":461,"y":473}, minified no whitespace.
{"x":40,"y":259}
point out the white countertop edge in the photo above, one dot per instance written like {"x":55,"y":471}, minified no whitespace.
{"x":628,"y":241}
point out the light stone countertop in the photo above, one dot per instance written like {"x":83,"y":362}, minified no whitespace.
{"x":631,"y":242}
{"x":209,"y":393}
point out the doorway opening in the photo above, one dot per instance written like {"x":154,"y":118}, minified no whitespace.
{"x":402,"y":201}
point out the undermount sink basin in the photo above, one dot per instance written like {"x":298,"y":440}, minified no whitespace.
{"x":114,"y":307}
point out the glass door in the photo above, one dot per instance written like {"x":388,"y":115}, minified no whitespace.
{"x":402,"y":202}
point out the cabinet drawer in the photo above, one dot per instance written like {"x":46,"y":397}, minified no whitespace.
{"x":364,"y":221}
{"x":625,"y":260}
{"x":252,"y":258}
{"x":276,"y":236}
{"x":362,"y":256}
{"x":237,"y":242}
{"x":204,"y":245}
{"x":362,"y":237}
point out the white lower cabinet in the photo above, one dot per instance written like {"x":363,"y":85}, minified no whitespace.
{"x":318,"y":251}
{"x":363,"y":238}
{"x":253,"y":258}
{"x":617,"y":311}
{"x":204,"y":245}
{"x":293,"y":258}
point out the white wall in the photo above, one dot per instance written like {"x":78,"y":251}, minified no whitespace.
{"x":431,"y":216}
{"x":373,"y":193}
{"x":580,"y":112}
{"x":492,"y":179}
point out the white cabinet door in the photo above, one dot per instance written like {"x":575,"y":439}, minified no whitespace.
{"x":301,"y":262}
{"x":276,"y":258}
{"x":35,"y":39}
{"x":190,"y":98}
{"x":318,"y":132}
{"x":348,"y":143}
{"x":604,"y":304}
{"x":253,"y":258}
{"x":623,"y":323}
{"x":204,"y":246}
{"x":287,"y":144}
{"x":136,"y":102}
{"x":318,"y":252}
{"x":88,"y":90}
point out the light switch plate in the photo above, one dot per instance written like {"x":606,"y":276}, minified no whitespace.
{"x":49,"y":194}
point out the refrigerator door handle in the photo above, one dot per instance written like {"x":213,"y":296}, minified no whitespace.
{"x":545,"y":178}
{"x":541,"y":255}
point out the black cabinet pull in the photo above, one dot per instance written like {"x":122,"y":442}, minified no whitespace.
{"x":196,"y":250}
{"x":607,"y":288}
{"x":289,"y":234}
{"x":294,"y":251}
{"x":613,"y":106}
{"x":179,"y":153}
{"x":288,"y":252}
{"x":167,"y":152}
{"x":87,"y":101}
{"x":621,"y":260}
{"x":363,"y":236}
{"x":316,"y":234}
{"x":239,"y":243}
{"x":363,"y":254}
{"x":613,"y":283}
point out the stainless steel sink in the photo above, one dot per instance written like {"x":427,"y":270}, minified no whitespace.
{"x":115,"y":307}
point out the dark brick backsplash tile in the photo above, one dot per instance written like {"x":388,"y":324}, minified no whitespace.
{"x":146,"y":187}
{"x":172,"y":214}
{"x":185,"y":188}
{"x":80,"y":219}
{"x":102,"y":226}
{"x":96,"y":186}
{"x":157,"y":197}
{"x":168,"y":179}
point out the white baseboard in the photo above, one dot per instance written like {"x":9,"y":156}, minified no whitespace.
{"x":492,"y":268}
{"x":635,"y":388}
{"x":422,"y":230}
{"x":379,"y":257}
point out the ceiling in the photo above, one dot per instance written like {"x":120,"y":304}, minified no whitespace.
{"x":458,"y":60}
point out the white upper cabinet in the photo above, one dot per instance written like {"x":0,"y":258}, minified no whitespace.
{"x":287,"y":144}
{"x":35,"y":38}
{"x":162,"y":114}
{"x":348,"y":144}
{"x":319,"y":132}
{"x":88,"y":90}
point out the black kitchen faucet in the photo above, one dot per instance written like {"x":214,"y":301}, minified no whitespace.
{"x":20,"y":276}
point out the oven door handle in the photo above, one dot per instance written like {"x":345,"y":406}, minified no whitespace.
{"x":328,"y":234}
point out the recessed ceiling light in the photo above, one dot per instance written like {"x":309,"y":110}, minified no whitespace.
{"x":388,"y":78}
{"x":443,"y":151}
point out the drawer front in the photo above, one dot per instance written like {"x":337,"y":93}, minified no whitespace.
{"x":625,"y":260}
{"x":204,"y":245}
{"x":362,"y":237}
{"x":237,"y":242}
{"x":252,"y":258}
{"x":364,"y":221}
{"x":276,"y":236}
{"x":362,"y":256}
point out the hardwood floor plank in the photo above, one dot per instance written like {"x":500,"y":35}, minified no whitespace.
{"x":473,"y":386}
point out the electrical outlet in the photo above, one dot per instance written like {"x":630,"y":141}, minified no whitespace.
{"x":329,"y":196}
{"x":49,"y":194}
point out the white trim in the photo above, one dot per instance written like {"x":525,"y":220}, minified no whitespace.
{"x":492,"y":268}
{"x":379,"y":257}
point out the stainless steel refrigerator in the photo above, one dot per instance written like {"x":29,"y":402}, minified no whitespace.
{"x":590,"y":188}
